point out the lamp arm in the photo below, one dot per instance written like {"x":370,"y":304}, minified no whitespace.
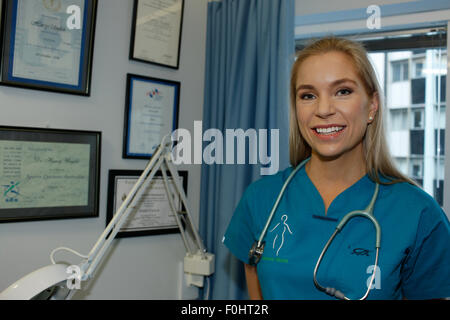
{"x":183,"y":198}
{"x":174,"y":210}
{"x":96,"y":254}
{"x":160,"y":159}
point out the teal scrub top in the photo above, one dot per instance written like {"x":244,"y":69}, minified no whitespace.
{"x":414,"y":259}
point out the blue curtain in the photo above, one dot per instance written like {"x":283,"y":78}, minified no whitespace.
{"x":250,"y":50}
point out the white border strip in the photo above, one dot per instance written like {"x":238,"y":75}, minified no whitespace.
{"x":391,"y":22}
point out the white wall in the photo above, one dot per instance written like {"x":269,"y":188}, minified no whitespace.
{"x":136,"y":268}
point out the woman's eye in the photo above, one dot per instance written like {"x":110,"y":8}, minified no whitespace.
{"x":344,"y":92}
{"x":307,"y":96}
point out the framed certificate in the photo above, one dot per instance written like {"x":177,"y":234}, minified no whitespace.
{"x":48,"y":45}
{"x":48,"y":174}
{"x":156,"y":32}
{"x":153,"y":214}
{"x":151,"y":112}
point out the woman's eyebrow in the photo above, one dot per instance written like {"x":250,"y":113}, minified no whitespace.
{"x":340,"y":81}
{"x":332,"y":84}
{"x":305,"y":86}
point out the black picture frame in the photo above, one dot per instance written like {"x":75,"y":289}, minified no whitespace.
{"x":147,"y":119}
{"x":53,"y":57}
{"x":48,"y":174}
{"x":155,"y":39}
{"x":113,"y":177}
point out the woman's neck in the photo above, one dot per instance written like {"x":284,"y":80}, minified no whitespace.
{"x":333,"y":176}
{"x":347,"y":169}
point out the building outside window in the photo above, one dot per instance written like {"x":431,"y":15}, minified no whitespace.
{"x":413,"y":78}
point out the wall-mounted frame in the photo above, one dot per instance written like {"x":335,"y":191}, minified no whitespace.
{"x":151,"y":112}
{"x":48,"y":173}
{"x":153,"y":214}
{"x":48,"y":45}
{"x":156,"y":32}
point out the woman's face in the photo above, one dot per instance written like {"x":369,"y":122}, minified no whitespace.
{"x":333,"y":109}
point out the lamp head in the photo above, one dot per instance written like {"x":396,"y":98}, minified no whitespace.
{"x":43,"y":284}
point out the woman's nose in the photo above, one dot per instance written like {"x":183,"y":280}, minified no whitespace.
{"x":325,"y":107}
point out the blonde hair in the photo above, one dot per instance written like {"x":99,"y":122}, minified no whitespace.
{"x":378,"y":159}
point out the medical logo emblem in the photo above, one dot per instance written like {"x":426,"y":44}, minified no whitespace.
{"x":280,"y":229}
{"x":52,"y":5}
{"x":155,"y":94}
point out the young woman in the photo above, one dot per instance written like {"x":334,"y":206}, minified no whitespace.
{"x":337,"y":131}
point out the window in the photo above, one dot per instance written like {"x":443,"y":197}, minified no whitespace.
{"x":418,"y":90}
{"x":398,"y":119}
{"x":418,"y":68}
{"x":418,"y":117}
{"x":417,"y":170}
{"x":400,"y":71}
{"x":415,"y":104}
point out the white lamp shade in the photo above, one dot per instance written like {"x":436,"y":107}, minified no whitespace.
{"x":36,"y":282}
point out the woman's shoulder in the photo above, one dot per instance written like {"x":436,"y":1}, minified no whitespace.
{"x":413,"y":197}
{"x":411,"y":192}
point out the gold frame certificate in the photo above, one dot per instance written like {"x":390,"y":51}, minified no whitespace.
{"x":47,"y":44}
{"x":156,"y":32}
{"x":46,"y":174}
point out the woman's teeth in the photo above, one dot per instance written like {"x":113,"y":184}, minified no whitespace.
{"x":330,"y":130}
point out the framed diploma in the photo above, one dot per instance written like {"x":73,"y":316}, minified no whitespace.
{"x":152,"y":215}
{"x":48,"y":45}
{"x":48,"y":174}
{"x":156,"y":32}
{"x":151,"y":112}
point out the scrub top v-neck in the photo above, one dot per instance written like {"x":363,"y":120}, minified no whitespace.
{"x":414,"y":240}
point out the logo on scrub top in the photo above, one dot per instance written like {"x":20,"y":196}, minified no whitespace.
{"x":280,"y":234}
{"x":155,"y":94}
{"x":361,"y":252}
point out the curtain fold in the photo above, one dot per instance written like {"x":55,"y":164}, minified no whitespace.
{"x":250,"y":50}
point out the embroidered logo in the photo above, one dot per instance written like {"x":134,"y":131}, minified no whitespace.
{"x":361,"y":252}
{"x":280,"y":229}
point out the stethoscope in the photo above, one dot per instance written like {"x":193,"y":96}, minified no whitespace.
{"x":257,"y":249}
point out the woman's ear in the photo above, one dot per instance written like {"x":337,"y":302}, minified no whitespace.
{"x":373,"y":108}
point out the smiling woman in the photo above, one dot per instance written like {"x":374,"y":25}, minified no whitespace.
{"x":337,"y":130}
{"x":354,"y":77}
{"x":333,"y":112}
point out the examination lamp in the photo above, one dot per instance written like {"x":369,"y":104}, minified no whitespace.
{"x":55,"y":282}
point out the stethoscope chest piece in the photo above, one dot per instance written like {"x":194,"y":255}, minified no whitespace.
{"x":255,"y":253}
